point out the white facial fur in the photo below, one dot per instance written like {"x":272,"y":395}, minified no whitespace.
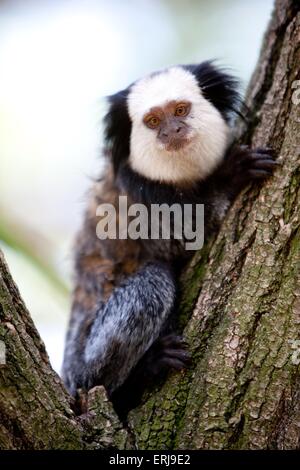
{"x":208,"y":136}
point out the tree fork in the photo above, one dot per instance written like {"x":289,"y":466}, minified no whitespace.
{"x":240,"y":304}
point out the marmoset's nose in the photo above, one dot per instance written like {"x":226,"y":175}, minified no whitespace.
{"x":176,"y":131}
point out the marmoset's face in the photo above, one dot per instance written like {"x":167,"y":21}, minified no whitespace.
{"x":170,"y":124}
{"x":177,"y":134}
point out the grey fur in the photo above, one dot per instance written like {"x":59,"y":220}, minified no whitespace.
{"x":120,"y":334}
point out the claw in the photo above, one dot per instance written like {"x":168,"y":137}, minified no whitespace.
{"x":260,"y":173}
{"x":265,"y":150}
{"x":265,"y":163}
{"x":173,"y":363}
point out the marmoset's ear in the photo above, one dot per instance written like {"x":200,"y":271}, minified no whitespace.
{"x":118,"y":128}
{"x":218,"y":87}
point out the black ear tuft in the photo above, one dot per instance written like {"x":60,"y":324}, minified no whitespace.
{"x":118,"y":128}
{"x":220,"y":88}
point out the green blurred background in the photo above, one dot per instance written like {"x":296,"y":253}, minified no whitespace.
{"x":58,"y":59}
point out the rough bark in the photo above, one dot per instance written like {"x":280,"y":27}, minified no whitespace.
{"x":240,"y":310}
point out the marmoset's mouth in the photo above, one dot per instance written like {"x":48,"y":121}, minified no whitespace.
{"x":176,"y":144}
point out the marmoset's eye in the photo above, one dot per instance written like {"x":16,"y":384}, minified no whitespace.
{"x":181,"y":110}
{"x":152,"y":121}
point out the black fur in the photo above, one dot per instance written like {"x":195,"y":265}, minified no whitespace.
{"x":118,"y":128}
{"x":218,"y":87}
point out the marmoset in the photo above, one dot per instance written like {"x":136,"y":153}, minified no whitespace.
{"x":168,"y":140}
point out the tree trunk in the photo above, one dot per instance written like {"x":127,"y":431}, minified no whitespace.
{"x":240,"y":310}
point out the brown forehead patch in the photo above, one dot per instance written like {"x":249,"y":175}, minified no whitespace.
{"x":168,"y":108}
